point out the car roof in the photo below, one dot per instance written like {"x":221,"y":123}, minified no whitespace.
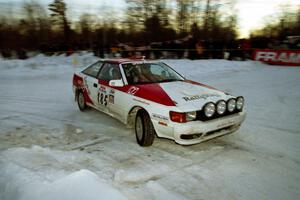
{"x":124,"y":60}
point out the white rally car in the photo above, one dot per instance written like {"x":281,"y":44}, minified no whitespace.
{"x":156,"y":100}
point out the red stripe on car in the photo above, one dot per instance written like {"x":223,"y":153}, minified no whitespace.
{"x":87,"y":97}
{"x":152,"y":92}
{"x":79,"y":84}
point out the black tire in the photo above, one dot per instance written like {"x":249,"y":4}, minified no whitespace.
{"x":144,"y":130}
{"x":81,"y":101}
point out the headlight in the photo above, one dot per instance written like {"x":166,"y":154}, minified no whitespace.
{"x":190,"y":116}
{"x":221,"y":107}
{"x":231,"y":105}
{"x":209,"y":109}
{"x":239,"y":103}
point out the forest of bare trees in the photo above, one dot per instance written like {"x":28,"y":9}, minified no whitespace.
{"x":178,"y":24}
{"x":277,"y":27}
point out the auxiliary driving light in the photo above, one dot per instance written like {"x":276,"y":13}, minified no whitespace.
{"x":221,"y":107}
{"x":231,"y":105}
{"x":239,"y":103}
{"x":209,"y":109}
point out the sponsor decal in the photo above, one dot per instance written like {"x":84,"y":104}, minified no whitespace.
{"x":203,"y":96}
{"x":160,"y":117}
{"x":132,"y":90}
{"x":162,"y":120}
{"x":102,"y":89}
{"x":279,"y":57}
{"x":111,"y":91}
{"x":111,"y":99}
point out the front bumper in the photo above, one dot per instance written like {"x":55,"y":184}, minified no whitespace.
{"x":197,"y":131}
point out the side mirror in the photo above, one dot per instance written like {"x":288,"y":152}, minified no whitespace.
{"x":116,"y":83}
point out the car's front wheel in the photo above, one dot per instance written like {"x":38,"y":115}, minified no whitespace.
{"x":81,"y":101}
{"x":144,"y":130}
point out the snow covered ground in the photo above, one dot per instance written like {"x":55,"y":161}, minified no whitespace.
{"x":51,"y":150}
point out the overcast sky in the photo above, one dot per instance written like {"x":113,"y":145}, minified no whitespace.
{"x":251,"y":13}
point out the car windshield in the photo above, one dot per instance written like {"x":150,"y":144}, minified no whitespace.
{"x":143,"y":73}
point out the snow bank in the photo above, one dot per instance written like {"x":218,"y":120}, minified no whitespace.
{"x":29,"y":175}
{"x":42,"y":65}
{"x":80,"y":185}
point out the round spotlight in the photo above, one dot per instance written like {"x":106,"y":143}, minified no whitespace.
{"x":209,"y":109}
{"x":231,"y":105}
{"x":239,"y":103}
{"x":221,"y":107}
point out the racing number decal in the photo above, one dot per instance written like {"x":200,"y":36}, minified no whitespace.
{"x":102,"y":99}
{"x":106,"y":96}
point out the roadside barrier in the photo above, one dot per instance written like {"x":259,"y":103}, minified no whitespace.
{"x":278,"y":57}
{"x":158,"y":53}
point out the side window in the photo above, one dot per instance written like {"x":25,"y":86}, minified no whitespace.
{"x":93,"y":70}
{"x":110,"y":72}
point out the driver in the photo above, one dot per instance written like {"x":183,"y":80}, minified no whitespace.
{"x":145,"y":74}
{"x":142,"y":74}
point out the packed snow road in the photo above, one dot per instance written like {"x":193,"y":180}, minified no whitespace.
{"x":51,"y":150}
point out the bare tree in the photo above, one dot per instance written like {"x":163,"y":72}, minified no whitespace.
{"x":59,"y":17}
{"x":35,"y":24}
{"x":182,"y":15}
{"x":285,"y":23}
{"x":134,"y":16}
{"x":86,"y":28}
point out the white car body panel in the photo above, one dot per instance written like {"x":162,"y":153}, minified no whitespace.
{"x":186,"y":96}
{"x":180,"y":90}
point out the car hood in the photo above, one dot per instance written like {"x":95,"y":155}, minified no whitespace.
{"x":189,"y":95}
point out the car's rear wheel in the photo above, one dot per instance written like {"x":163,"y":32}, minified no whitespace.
{"x":81,"y":101}
{"x":144,"y":130}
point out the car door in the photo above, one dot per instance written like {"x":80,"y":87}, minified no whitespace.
{"x":91,"y":81}
{"x":108,"y":95}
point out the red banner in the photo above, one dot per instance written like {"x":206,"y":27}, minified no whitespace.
{"x":278,"y":57}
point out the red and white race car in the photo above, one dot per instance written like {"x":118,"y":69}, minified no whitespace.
{"x":156,"y":100}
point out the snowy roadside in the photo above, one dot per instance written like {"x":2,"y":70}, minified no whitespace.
{"x":42,"y":132}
